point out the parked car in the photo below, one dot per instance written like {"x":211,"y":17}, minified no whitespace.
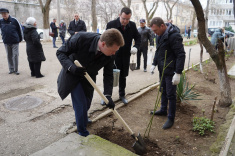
{"x":40,"y":33}
{"x":212,"y":30}
{"x":195,"y":33}
{"x":229,"y":33}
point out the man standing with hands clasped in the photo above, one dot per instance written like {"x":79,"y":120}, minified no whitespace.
{"x":76,"y":25}
{"x":146,"y":35}
{"x":122,"y":57}
{"x":170,"y":41}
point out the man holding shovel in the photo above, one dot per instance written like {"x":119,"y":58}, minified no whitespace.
{"x":93,"y":51}
{"x":122,"y":57}
{"x":168,"y":41}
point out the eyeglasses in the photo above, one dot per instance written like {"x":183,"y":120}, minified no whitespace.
{"x":75,"y":16}
{"x":125,"y":19}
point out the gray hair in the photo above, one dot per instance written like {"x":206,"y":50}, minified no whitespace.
{"x":30,"y":20}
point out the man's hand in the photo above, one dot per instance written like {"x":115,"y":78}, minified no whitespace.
{"x":176,"y":79}
{"x":111,"y":104}
{"x":134,"y":50}
{"x":151,"y":48}
{"x":152,"y":69}
{"x":79,"y":71}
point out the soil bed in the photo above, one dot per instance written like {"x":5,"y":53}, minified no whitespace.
{"x":180,"y":139}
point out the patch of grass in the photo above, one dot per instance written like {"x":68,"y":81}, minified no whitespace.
{"x":190,"y":43}
{"x":202,"y":125}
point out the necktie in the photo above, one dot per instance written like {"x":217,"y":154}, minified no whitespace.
{"x":123,"y":27}
{"x":98,"y":54}
{"x":76,"y":22}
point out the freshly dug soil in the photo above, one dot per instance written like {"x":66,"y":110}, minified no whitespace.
{"x":180,"y":139}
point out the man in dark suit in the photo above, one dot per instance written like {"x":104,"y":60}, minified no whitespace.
{"x":122,"y":57}
{"x":93,"y":51}
{"x":76,"y":25}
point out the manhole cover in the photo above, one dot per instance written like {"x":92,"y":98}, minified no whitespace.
{"x":23,"y":103}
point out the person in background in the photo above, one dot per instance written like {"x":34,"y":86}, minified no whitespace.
{"x":122,"y":57}
{"x":218,"y":34}
{"x":146,"y":35}
{"x":170,"y":22}
{"x":76,"y":25}
{"x":189,"y":33}
{"x":22,"y":26}
{"x":12,"y":35}
{"x":33,"y":47}
{"x":62,"y":30}
{"x":169,"y":41}
{"x":94,"y":52}
{"x":54,"y":30}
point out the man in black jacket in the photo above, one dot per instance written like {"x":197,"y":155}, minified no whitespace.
{"x":169,"y":41}
{"x":122,"y":57}
{"x":54,"y":28}
{"x":146,"y":35}
{"x":93,"y":52}
{"x":76,"y":25}
{"x":12,"y":35}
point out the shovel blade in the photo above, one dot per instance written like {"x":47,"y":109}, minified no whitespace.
{"x":139,"y":146}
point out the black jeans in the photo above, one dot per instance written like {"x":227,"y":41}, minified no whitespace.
{"x":143,"y":50}
{"x":122,"y":85}
{"x":35,"y":68}
{"x":168,"y":94}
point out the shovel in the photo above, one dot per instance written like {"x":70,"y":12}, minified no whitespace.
{"x":139,"y":146}
{"x":132,"y":65}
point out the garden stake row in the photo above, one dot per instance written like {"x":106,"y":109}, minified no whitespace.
{"x":139,"y":146}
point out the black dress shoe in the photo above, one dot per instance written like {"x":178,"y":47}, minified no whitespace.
{"x":40,"y":76}
{"x":168,"y":124}
{"x":137,"y":68}
{"x":124,"y":100}
{"x":10,"y":72}
{"x":55,"y":47}
{"x":17,"y":73}
{"x":160,"y":113}
{"x":102,"y":102}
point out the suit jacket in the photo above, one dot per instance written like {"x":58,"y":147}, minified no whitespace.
{"x":80,"y":26}
{"x":82,"y":47}
{"x":122,"y":56}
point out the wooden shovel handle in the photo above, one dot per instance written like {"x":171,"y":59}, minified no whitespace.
{"x":87,"y":76}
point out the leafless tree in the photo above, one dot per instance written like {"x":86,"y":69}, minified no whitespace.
{"x":93,"y":15}
{"x":128,"y":3}
{"x":70,"y":9}
{"x":45,"y":12}
{"x":169,"y":8}
{"x":206,"y":15}
{"x":217,"y":56}
{"x":151,"y":12}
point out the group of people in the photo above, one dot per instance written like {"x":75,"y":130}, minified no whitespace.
{"x":75,"y":26}
{"x":114,"y":48}
{"x":94,"y":51}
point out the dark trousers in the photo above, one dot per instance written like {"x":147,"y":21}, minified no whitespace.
{"x":143,"y":50}
{"x":35,"y":68}
{"x":122,"y":85}
{"x":168,"y":95}
{"x":62,"y":38}
{"x":54,"y":39}
{"x":81,"y":105}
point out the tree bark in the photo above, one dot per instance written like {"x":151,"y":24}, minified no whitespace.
{"x":201,"y":57}
{"x":94,"y":18}
{"x":149,"y":14}
{"x":206,"y":16}
{"x":45,"y":12}
{"x":217,"y":56}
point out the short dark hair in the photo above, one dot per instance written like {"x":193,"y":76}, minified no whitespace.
{"x":157,"y":21}
{"x":111,"y":37}
{"x":126,"y":10}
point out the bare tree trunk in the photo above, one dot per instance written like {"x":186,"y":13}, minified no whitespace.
{"x":206,"y":16}
{"x":151,"y":12}
{"x":167,"y":14}
{"x":45,"y":12}
{"x":169,"y":8}
{"x":94,"y":18}
{"x":217,"y":56}
{"x":128,"y":3}
{"x":201,"y":56}
{"x":193,"y":21}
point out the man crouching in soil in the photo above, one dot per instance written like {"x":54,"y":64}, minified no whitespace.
{"x":93,"y":51}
